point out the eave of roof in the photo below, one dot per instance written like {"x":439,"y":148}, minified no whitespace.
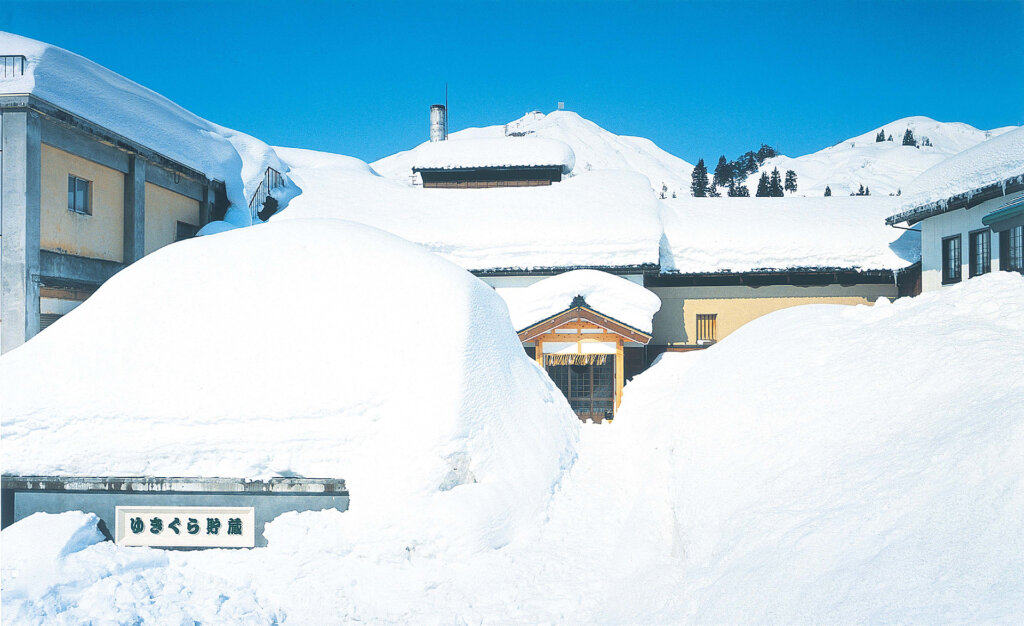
{"x":964,"y":200}
{"x":585,"y":312}
{"x":1010,"y":211}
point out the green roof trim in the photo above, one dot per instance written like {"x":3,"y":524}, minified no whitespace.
{"x":1010,"y":211}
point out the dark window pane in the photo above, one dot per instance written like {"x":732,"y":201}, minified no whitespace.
{"x":71,"y":193}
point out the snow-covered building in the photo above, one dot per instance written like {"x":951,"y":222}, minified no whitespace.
{"x":696,"y":269}
{"x":970,"y":208}
{"x":98,"y":171}
{"x":481,"y":163}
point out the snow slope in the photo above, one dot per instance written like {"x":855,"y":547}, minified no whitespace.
{"x":599,"y":218}
{"x":103,"y":97}
{"x":885,"y":167}
{"x":594,"y":148}
{"x":870,"y":472}
{"x":606,"y":293}
{"x":747,"y":234}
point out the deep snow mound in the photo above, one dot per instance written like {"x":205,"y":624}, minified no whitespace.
{"x":884,"y":167}
{"x":869,"y":471}
{"x":593,"y":147}
{"x":300,"y":348}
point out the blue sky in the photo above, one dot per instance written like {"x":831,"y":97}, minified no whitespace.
{"x":698,"y":78}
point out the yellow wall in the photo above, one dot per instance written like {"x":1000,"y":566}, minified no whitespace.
{"x":97,"y":236}
{"x":164,"y":209}
{"x":735,"y":312}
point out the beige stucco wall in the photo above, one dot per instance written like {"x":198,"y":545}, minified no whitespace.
{"x":676,"y":322}
{"x":97,"y":236}
{"x":164,"y":209}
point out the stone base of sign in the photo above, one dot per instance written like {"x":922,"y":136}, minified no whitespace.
{"x":24,"y":495}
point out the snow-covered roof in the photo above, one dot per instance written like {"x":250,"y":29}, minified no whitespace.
{"x":614,"y":296}
{"x":754,"y":234}
{"x":595,"y":219}
{"x":995,"y":161}
{"x":138,"y":114}
{"x":594,"y":148}
{"x":457,"y":153}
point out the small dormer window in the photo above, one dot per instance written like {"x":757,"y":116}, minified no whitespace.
{"x":79,"y":195}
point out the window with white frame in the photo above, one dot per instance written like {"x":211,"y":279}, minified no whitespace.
{"x":79,"y":195}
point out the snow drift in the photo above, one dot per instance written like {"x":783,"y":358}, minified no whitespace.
{"x":301,"y":348}
{"x":869,"y":470}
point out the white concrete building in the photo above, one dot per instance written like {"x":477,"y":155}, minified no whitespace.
{"x":970,"y":211}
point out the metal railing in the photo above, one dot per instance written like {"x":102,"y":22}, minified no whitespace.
{"x":272,"y":179}
{"x":12,"y":65}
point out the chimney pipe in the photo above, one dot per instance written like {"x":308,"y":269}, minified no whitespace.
{"x":438,"y":122}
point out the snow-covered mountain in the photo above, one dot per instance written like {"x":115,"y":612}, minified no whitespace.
{"x":885,"y":167}
{"x":595,"y":149}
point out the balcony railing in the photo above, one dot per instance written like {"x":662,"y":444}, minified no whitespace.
{"x":12,"y":65}
{"x":272,"y":179}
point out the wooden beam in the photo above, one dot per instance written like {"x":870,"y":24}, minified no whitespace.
{"x":620,"y":373}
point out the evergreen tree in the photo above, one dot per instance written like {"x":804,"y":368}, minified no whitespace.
{"x":723,"y":172}
{"x":908,"y":138}
{"x":860,"y":191}
{"x":880,"y":136}
{"x":742,"y":191}
{"x":765,"y":152}
{"x":890,"y":137}
{"x":762,"y":186}
{"x":713,"y":192}
{"x":899,"y":191}
{"x":790,"y":181}
{"x":775,"y":189}
{"x":699,"y":184}
{"x":867,"y":191}
{"x":828,"y":191}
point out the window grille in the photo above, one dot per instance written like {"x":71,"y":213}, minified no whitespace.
{"x":1013,"y":249}
{"x":707,"y":327}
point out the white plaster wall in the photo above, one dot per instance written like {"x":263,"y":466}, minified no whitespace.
{"x":959,"y":222}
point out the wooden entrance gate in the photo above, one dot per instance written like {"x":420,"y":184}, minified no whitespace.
{"x":590,"y":388}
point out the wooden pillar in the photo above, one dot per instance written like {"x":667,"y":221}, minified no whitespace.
{"x":620,"y":372}
{"x":538,"y":352}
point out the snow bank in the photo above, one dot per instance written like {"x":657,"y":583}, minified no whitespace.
{"x":885,"y":167}
{"x":593,"y":148}
{"x":606,"y":293}
{"x":869,"y":472}
{"x":990,"y":162}
{"x":745,"y":234}
{"x":103,"y":97}
{"x":595,"y":219}
{"x":458,"y":153}
{"x":291,"y":349}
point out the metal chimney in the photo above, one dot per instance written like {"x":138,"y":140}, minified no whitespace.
{"x":438,"y":122}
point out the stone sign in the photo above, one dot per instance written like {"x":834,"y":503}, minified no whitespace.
{"x":185,"y":526}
